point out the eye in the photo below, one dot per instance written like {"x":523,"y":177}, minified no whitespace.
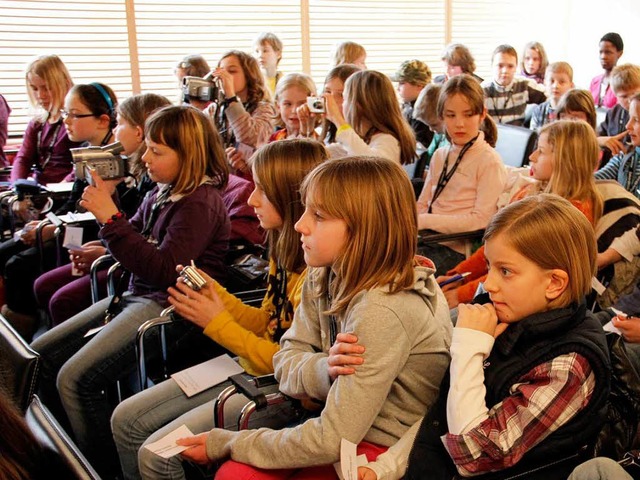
{"x":505,"y":272}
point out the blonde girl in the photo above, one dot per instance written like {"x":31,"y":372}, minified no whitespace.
{"x":370,"y":121}
{"x":182,"y":219}
{"x":562,"y":164}
{"x":465,"y":179}
{"x":371,"y":291}
{"x":350,"y":52}
{"x":291,"y":94}
{"x":44,"y":153}
{"x":534,"y":62}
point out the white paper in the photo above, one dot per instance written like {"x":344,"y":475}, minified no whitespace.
{"x":54,"y":219}
{"x":199,"y":378}
{"x":166,"y":447}
{"x":349,"y":461}
{"x":62,"y":187}
{"x":72,"y":217}
{"x":73,"y":238}
{"x":597,"y":286}
{"x":608,"y":327}
{"x":93,"y":331}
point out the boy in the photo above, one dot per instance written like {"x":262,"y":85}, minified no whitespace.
{"x":412,"y":77}
{"x":268,"y":52}
{"x":558,"y":79}
{"x":611,"y":48}
{"x":507,"y":97}
{"x":425,"y":112}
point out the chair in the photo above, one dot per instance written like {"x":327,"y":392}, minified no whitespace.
{"x":515,"y":144}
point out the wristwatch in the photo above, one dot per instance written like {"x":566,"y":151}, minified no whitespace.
{"x":228,"y":101}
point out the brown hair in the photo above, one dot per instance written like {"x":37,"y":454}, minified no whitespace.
{"x":194,"y":66}
{"x":348,"y":52}
{"x":56,"y":76}
{"x":553,"y":234}
{"x":625,"y":77}
{"x":506,"y":49}
{"x":426,"y":105}
{"x":91,"y":96}
{"x":257,"y":91}
{"x":278,"y":169}
{"x":271,"y":39}
{"x":459,"y":55}
{"x":191,"y":134}
{"x":577,"y":100}
{"x":341,"y":72}
{"x":544,"y":60}
{"x":381,"y":225}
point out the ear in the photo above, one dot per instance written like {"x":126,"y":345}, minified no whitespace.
{"x":558,"y":281}
{"x":483,"y":115}
{"x":139,"y":133}
{"x":104,"y":120}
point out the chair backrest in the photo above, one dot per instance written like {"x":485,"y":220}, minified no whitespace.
{"x":19,"y":366}
{"x":515,"y":144}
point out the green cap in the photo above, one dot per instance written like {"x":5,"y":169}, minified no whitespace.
{"x":413,"y":71}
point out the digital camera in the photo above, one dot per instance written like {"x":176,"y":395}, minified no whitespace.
{"x":107,"y":162}
{"x":315,"y":104}
{"x":192,"y":278}
{"x":196,"y":88}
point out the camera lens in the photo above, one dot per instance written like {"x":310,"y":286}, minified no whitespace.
{"x":317,"y":105}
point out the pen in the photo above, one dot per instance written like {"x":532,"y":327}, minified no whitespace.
{"x":455,"y":278}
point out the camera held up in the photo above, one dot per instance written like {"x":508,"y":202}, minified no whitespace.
{"x":205,"y":89}
{"x":107,"y":162}
{"x":316,"y":104}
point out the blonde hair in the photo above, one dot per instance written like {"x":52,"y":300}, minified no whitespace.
{"x":257,"y":91}
{"x":381,"y":225}
{"x":559,"y":67}
{"x":544,"y":60}
{"x":55,"y":75}
{"x":625,"y":77}
{"x":577,"y":100}
{"x":576,"y":153}
{"x":426,"y":106}
{"x":369,"y":95}
{"x":553,"y":234}
{"x":271,"y":39}
{"x":279,"y":169}
{"x":191,"y":134}
{"x":348,"y":52}
{"x":459,"y":55}
{"x":299,"y":80}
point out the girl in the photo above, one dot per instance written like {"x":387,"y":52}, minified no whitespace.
{"x":181,"y":219}
{"x":191,"y":66}
{"x":245,"y":117}
{"x":370,"y":122}
{"x":577,"y":104}
{"x":534,"y":62}
{"x":464,"y":180}
{"x":59,"y":290}
{"x":291,"y":94}
{"x":350,"y":52}
{"x":373,"y":290}
{"x":529,"y":377}
{"x":610,"y":48}
{"x":251,"y":333}
{"x":45,"y":147}
{"x":563,"y":164}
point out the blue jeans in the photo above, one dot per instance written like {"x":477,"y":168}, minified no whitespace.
{"x":83,"y":369}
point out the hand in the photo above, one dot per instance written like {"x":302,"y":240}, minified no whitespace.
{"x":236,"y":159}
{"x":480,"y":317}
{"x":343,"y":353}
{"x":333,"y":111}
{"x":194,"y":306}
{"x":97,"y":199}
{"x":22,"y":209}
{"x":614,"y":143}
{"x":28,"y":233}
{"x":449,"y":286}
{"x":307,"y":119}
{"x":629,"y":326}
{"x":365,"y":473}
{"x":198,"y":451}
{"x":451,"y":295}
{"x":227,"y":81}
{"x":82,"y":259}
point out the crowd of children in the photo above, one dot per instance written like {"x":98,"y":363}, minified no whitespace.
{"x":354,"y":323}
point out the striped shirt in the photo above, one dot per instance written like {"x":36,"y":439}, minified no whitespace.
{"x":625,"y":169}
{"x":508,"y":104}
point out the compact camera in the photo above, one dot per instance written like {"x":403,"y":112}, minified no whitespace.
{"x":107,"y":162}
{"x":192,"y":278}
{"x":204,"y":89}
{"x":315,"y":104}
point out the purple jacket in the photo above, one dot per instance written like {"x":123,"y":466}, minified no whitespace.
{"x":195,"y":227}
{"x":244,"y":223}
{"x":5,"y":110}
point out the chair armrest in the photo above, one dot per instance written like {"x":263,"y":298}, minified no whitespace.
{"x":98,"y":264}
{"x":140,"y":336}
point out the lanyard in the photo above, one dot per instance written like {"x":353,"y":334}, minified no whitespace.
{"x":632,"y":184}
{"x":333,"y":323}
{"x":445,"y":175}
{"x":280,"y":300}
{"x":161,"y":200}
{"x":49,"y":150}
{"x":494,"y":90}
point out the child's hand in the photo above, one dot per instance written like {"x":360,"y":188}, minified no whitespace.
{"x":629,"y":326}
{"x":344,"y":353}
{"x":195,"y":306}
{"x":198,"y":451}
{"x":236,"y":159}
{"x":97,"y":199}
{"x":480,"y":317}
{"x":451,"y":294}
{"x":307,"y":120}
{"x":333,"y":111}
{"x":614,"y":143}
{"x":82,"y":259}
{"x":365,"y":473}
{"x":227,"y":81}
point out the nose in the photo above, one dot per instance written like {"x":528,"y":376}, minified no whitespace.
{"x":145,"y":156}
{"x":534,"y":156}
{"x":302,"y":225}
{"x":489,"y":283}
{"x":251,"y":201}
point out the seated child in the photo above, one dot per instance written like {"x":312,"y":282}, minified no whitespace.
{"x":268,"y":52}
{"x":425,"y":110}
{"x":507,"y":97}
{"x":350,"y":52}
{"x":558,"y":80}
{"x":611,"y":47}
{"x":457,"y":59}
{"x":534,"y":62}
{"x":291,"y":93}
{"x":577,"y":104}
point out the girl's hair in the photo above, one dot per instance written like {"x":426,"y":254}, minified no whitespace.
{"x":271,"y":39}
{"x":194,"y":66}
{"x":544,"y":60}
{"x":279,"y":168}
{"x":553,"y":234}
{"x":55,"y":74}
{"x":381,"y":225}
{"x":426,"y":104}
{"x":99,"y":99}
{"x":459,"y":55}
{"x":135,"y":110}
{"x":300,"y":80}
{"x":576,"y":153}
{"x":342,"y":72}
{"x":347,"y":52}
{"x":576,"y":100}
{"x":191,"y":134}
{"x":256,"y":89}
{"x":369,"y":95}
{"x":470,"y":89}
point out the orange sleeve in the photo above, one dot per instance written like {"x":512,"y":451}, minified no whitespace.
{"x":475,"y":264}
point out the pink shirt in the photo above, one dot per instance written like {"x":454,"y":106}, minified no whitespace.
{"x":609,"y":99}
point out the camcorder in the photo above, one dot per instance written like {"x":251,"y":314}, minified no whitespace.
{"x":315,"y":104}
{"x":205,"y":89}
{"x":106,"y":161}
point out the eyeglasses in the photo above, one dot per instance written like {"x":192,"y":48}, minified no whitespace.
{"x":74,"y":116}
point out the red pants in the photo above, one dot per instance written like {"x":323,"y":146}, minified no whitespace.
{"x":232,"y":470}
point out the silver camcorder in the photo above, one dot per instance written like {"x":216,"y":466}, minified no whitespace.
{"x":107,"y":162}
{"x":315,"y":104}
{"x":204,"y":89}
{"x":192,"y":278}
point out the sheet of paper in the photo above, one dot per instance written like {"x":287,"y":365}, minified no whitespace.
{"x":73,"y":238}
{"x":72,"y":217}
{"x":597,"y":286}
{"x":359,"y":461}
{"x":62,"y":187}
{"x":166,"y":447}
{"x":93,"y":331}
{"x":609,"y":326}
{"x":54,"y":219}
{"x":199,"y":378}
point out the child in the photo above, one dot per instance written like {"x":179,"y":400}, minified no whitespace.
{"x":5,"y":111}
{"x":191,"y":66}
{"x":506,"y":96}
{"x":412,"y":77}
{"x":577,"y":104}
{"x":350,"y":52}
{"x":611,"y":47}
{"x":62,"y":293}
{"x":562,"y":164}
{"x":626,"y":168}
{"x":252,"y":333}
{"x":371,"y":290}
{"x":182,"y":219}
{"x":268,"y":52}
{"x":530,"y":371}
{"x":558,"y":80}
{"x":44,"y":152}
{"x":464,"y":181}
{"x":534,"y":62}
{"x":370,"y":121}
{"x":291,"y":93}
{"x":457,"y":59}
